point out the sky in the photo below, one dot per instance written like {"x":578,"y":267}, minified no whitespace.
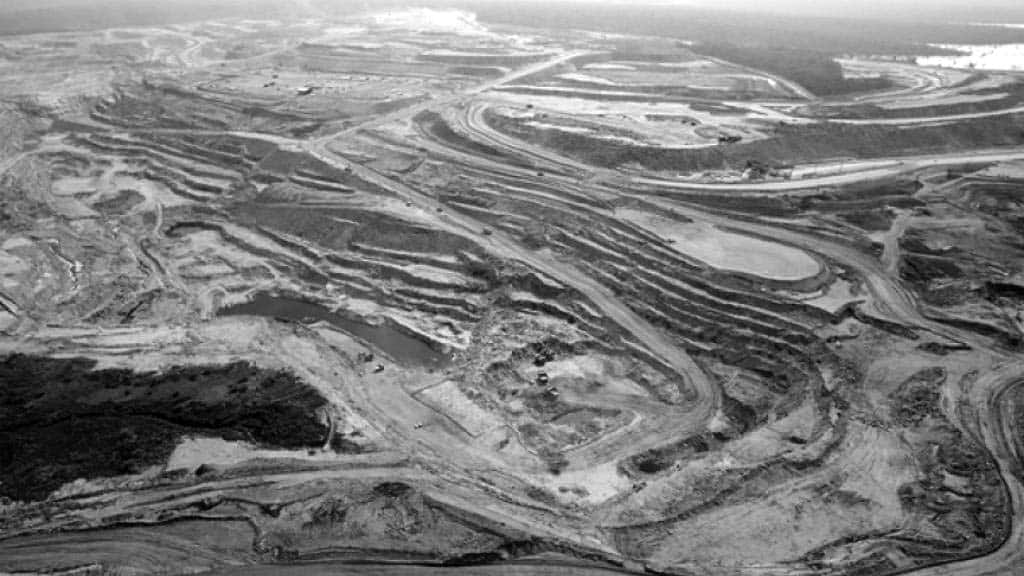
{"x":880,"y":9}
{"x":952,"y":10}
{"x":955,"y":10}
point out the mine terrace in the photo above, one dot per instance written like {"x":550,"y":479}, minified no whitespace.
{"x":412,"y":292}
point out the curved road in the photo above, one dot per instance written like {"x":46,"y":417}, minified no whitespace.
{"x":835,"y":173}
{"x":927,"y":119}
{"x":867,"y":170}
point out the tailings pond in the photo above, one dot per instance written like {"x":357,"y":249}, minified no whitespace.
{"x":386,"y":337}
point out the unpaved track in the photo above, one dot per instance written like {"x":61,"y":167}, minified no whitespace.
{"x":472,"y":120}
{"x":867,"y":170}
{"x":836,"y":173}
{"x":409,"y":112}
{"x":790,"y":85}
{"x":516,"y":568}
{"x":926,"y":119}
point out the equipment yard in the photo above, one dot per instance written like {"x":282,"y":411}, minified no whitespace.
{"x":410,"y":293}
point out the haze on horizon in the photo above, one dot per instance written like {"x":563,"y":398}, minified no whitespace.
{"x":953,"y":10}
{"x":994,"y":11}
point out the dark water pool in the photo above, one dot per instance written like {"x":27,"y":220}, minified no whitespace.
{"x":387,"y":337}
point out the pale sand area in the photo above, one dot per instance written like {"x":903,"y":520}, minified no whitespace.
{"x":727,"y":250}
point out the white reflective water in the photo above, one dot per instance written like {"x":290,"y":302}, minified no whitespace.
{"x":979,"y":57}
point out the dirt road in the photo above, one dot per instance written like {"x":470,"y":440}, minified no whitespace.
{"x":410,"y":111}
{"x":866,"y":170}
{"x":927,"y":119}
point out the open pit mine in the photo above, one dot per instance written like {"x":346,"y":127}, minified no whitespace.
{"x":413,"y":293}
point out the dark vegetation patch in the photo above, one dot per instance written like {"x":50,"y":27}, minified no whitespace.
{"x":814,"y":70}
{"x":61,"y":419}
